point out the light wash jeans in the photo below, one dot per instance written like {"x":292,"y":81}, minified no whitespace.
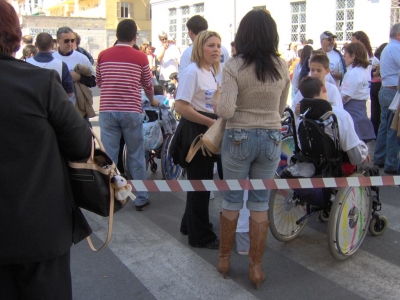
{"x":112,"y":125}
{"x":254,"y":153}
{"x":387,"y":144}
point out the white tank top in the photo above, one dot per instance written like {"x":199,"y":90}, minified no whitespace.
{"x":55,"y":64}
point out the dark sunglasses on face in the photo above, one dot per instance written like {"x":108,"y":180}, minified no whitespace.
{"x":66,"y":41}
{"x":163,"y":39}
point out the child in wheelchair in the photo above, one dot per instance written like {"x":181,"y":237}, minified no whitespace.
{"x":329,"y":143}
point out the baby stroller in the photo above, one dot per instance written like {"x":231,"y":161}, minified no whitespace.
{"x":349,"y":211}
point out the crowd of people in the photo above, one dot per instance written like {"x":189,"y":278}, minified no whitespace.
{"x":53,"y":104}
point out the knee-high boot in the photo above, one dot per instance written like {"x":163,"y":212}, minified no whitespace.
{"x":227,"y":236}
{"x":258,"y":237}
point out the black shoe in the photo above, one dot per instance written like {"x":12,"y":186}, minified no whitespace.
{"x":390,"y":172}
{"x":143,"y":207}
{"x":379,"y":165}
{"x":184,"y":231}
{"x":214,"y":245}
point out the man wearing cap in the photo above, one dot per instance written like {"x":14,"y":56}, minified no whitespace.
{"x":388,"y":144}
{"x":336,"y":61}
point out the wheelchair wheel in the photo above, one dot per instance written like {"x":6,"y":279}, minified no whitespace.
{"x":169,"y":170}
{"x":125,"y":163}
{"x":349,"y":219}
{"x":323,"y":215}
{"x":286,"y":154}
{"x":283,"y":213}
{"x":378,"y":227}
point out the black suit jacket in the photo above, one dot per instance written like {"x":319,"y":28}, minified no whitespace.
{"x":39,"y":129}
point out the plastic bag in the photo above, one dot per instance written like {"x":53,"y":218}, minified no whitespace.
{"x":302,"y":169}
{"x":152,"y":135}
{"x":395,"y":102}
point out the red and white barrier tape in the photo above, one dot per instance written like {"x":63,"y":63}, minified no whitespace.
{"x":259,"y":184}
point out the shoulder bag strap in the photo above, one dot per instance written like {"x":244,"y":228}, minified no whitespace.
{"x":194,"y":147}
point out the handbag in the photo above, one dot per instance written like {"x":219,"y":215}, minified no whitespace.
{"x":91,"y":186}
{"x":211,"y":141}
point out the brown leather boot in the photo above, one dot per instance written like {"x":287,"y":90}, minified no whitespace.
{"x":227,"y":236}
{"x":258,"y":236}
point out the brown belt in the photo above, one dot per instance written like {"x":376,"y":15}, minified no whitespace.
{"x":391,"y":87}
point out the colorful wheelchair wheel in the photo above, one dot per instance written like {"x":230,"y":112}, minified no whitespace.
{"x":349,"y":219}
{"x":284,"y":211}
{"x":169,"y":170}
{"x":286,"y":154}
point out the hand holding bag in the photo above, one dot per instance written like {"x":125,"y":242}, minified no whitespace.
{"x":211,"y":141}
{"x":91,"y":186}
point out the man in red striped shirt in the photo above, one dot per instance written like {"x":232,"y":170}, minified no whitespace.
{"x":121,"y":72}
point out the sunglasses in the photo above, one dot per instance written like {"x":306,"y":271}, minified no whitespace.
{"x":163,"y":39}
{"x":66,"y":41}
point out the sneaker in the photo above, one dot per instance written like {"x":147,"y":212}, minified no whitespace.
{"x":143,"y":207}
{"x":212,"y":196}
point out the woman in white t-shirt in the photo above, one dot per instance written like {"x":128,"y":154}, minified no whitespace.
{"x":355,"y":89}
{"x":194,"y":103}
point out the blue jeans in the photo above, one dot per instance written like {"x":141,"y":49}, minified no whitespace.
{"x":112,"y":125}
{"x":387,"y":144}
{"x":254,"y":153}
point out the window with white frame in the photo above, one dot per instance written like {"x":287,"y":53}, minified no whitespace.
{"x":260,"y":7}
{"x":185,"y":12}
{"x":124,"y":10}
{"x":298,"y":20}
{"x":344,"y":19}
{"x":172,"y":23}
{"x":394,"y":12}
{"x":178,"y":18}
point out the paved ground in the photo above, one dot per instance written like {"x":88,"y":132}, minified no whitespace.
{"x":148,"y":258}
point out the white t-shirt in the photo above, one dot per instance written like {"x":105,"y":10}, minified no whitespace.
{"x":356,"y":83}
{"x":71,"y":61}
{"x":186,"y":60}
{"x":348,"y":137}
{"x":170,"y":62}
{"x":334,"y":97}
{"x":197,"y":86}
{"x":334,"y":62}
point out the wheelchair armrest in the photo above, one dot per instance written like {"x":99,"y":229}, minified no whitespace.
{"x":326,"y":116}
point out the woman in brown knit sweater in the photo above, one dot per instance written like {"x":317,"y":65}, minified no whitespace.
{"x":253,"y":96}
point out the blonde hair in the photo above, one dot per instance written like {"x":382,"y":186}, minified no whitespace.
{"x":197,"y":53}
{"x":143,"y":47}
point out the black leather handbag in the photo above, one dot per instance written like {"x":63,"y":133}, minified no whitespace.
{"x":91,"y":186}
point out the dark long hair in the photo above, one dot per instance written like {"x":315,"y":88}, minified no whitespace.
{"x":378,"y":51}
{"x":10,"y":31}
{"x":358,"y":49}
{"x":362,"y":37}
{"x":257,"y":42}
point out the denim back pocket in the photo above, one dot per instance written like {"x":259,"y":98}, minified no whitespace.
{"x":274,"y":144}
{"x":239,"y":144}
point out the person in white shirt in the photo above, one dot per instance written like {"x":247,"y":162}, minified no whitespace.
{"x":319,"y":68}
{"x":195,"y":25}
{"x":355,"y":89}
{"x":66,"y":53}
{"x":168,"y":56}
{"x":336,"y":62}
{"x":356,"y":149}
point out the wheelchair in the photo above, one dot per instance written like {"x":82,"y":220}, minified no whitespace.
{"x":169,"y":170}
{"x":349,"y":211}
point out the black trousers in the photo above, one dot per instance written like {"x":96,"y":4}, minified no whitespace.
{"x":375,"y":106}
{"x":44,"y":280}
{"x":195,"y":220}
